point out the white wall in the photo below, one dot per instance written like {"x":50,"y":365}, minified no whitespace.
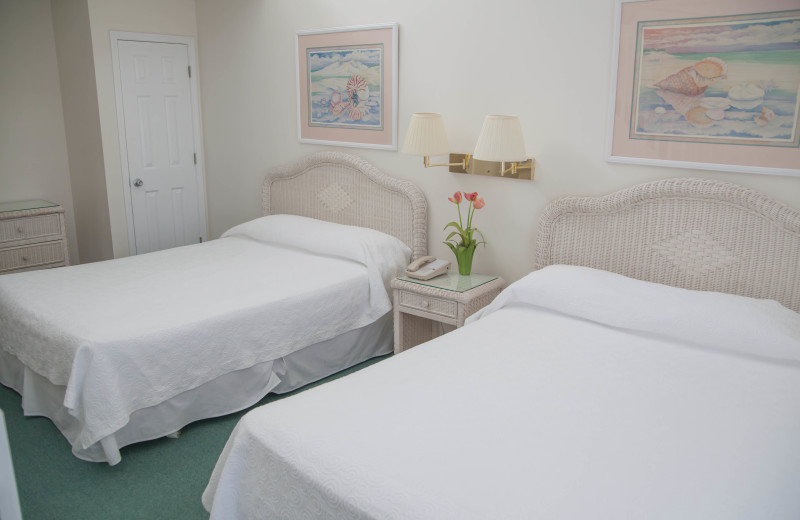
{"x":33,"y":147}
{"x":82,"y":125}
{"x":173,"y":17}
{"x":547,"y":62}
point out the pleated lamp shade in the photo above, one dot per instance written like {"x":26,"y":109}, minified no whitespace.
{"x":426,"y":135}
{"x":501,"y":140}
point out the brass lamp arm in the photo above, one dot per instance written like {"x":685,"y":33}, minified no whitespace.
{"x":514,"y":167}
{"x":464,"y":164}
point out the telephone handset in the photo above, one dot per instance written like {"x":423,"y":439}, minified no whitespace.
{"x":427,"y":267}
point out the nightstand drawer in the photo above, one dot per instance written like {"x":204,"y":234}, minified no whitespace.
{"x":29,"y":256}
{"x":29,"y":227}
{"x":428,"y":304}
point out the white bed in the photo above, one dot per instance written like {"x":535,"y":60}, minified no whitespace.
{"x":578,"y":393}
{"x":133,"y":349}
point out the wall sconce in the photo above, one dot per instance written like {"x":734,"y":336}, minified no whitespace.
{"x":426,"y":136}
{"x":499,"y":142}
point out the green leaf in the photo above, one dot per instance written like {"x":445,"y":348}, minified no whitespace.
{"x":455,"y":225}
{"x":451,"y":246}
{"x":483,"y":239}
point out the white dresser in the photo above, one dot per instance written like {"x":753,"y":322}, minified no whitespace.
{"x":32,"y":236}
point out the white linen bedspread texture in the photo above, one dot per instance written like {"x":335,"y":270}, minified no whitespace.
{"x":130,"y":333}
{"x":748,"y":326}
{"x":576,"y":394}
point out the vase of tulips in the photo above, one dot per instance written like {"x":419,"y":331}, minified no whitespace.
{"x":462,"y":241}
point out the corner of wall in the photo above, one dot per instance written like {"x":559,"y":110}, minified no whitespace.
{"x":82,"y":126}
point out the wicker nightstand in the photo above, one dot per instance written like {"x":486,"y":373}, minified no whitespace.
{"x":420,"y":306}
{"x":32,"y":236}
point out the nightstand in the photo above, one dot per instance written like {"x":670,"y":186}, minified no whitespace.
{"x":422,"y":306}
{"x":32,"y":236}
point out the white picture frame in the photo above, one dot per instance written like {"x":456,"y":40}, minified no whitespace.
{"x":676,"y":153}
{"x":330,"y":62}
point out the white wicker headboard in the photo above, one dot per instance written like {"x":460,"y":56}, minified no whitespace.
{"x":691,"y":233}
{"x":343,"y":188}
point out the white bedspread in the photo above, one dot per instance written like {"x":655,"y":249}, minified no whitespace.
{"x":128,"y":334}
{"x":577,"y":394}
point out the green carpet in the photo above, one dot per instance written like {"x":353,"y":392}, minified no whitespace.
{"x":160,"y":479}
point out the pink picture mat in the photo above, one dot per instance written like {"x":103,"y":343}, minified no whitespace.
{"x":349,"y":137}
{"x":756,"y":159}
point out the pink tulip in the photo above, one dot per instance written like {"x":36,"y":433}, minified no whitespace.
{"x":479,"y":203}
{"x":456,"y":198}
{"x":471,"y":196}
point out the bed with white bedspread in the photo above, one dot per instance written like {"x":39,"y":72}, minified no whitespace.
{"x":135,"y":348}
{"x":657,"y":376}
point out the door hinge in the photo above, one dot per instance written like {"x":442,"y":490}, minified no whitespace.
{"x":190,"y":71}
{"x":195,"y":158}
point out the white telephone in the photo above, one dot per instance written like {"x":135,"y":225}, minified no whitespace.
{"x":427,"y":267}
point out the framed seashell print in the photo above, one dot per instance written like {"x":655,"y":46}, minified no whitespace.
{"x":347,"y":86}
{"x":710,"y":85}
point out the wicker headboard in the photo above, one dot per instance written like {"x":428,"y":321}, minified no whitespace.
{"x":691,"y":233}
{"x":342,"y":188}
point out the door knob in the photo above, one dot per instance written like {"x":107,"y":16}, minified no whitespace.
{"x":138,"y":182}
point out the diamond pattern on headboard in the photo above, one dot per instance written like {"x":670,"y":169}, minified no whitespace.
{"x":334,"y":197}
{"x":694,"y":252}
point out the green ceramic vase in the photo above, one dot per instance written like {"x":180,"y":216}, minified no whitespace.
{"x":464,"y":258}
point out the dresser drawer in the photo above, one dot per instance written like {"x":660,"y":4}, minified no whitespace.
{"x":428,"y":304}
{"x":29,"y":227}
{"x":30,"y":256}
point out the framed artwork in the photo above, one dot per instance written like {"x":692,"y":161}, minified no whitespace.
{"x":710,"y":85}
{"x":347,"y":86}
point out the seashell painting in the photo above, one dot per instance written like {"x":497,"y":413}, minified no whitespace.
{"x":734,"y":81}
{"x":345,"y":87}
{"x":716,"y":86}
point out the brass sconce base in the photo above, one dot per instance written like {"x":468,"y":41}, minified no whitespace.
{"x":490,"y":168}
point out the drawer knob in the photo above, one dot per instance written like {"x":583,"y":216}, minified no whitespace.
{"x":25,"y":258}
{"x":424,"y":304}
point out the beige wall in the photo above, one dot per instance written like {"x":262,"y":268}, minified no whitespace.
{"x":33,"y":147}
{"x":174,"y":17}
{"x":82,"y":122}
{"x":547,"y":62}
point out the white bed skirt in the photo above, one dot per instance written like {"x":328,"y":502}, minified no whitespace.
{"x":226,"y":394}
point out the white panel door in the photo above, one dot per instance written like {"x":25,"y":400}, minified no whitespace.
{"x":157,"y":109}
